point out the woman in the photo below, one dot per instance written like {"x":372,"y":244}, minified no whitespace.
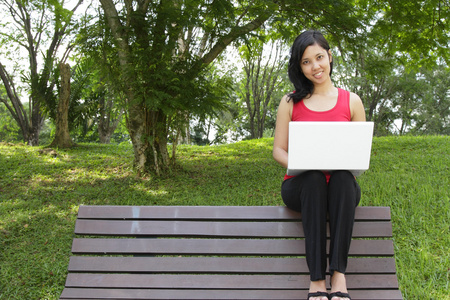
{"x":315,"y":193}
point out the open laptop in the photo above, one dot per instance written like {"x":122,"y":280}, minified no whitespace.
{"x":329,"y":146}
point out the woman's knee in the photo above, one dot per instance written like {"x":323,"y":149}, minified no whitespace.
{"x":308,"y":185}
{"x":344,"y":183}
{"x":314,"y":178}
{"x":342,"y":176}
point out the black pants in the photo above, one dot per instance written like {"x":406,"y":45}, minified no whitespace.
{"x":310,"y":194}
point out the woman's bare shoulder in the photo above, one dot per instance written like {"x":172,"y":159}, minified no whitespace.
{"x":357,"y":108}
{"x":354,"y":98}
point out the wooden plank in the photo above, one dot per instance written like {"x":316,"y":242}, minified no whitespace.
{"x":188,"y":281}
{"x":215,"y":229}
{"x":213,"y":265}
{"x":188,"y":228}
{"x":262,"y":282}
{"x":188,"y":212}
{"x":165,"y":294}
{"x":213,"y":213}
{"x":375,"y":265}
{"x":218,"y":265}
{"x":265,"y":247}
{"x":188,"y":246}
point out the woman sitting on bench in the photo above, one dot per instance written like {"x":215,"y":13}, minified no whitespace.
{"x":315,"y":193}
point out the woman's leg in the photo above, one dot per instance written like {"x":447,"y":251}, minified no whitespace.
{"x":307,"y":193}
{"x":344,"y":195}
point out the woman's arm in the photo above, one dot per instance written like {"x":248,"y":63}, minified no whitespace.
{"x":280,"y":144}
{"x":357,"y":108}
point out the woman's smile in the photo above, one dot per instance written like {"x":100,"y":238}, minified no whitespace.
{"x":318,"y":75}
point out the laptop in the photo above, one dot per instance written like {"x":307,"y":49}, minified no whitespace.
{"x":329,"y":146}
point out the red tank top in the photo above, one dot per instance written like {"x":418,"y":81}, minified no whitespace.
{"x":340,"y":113}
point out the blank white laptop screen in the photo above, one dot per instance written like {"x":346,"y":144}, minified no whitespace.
{"x":329,"y":146}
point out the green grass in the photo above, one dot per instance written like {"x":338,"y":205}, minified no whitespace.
{"x":40,"y":196}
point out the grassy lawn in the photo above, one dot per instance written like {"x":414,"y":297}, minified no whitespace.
{"x":40,"y":195}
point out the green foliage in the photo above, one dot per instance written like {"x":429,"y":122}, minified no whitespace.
{"x":418,"y":27}
{"x":161,"y":73}
{"x":9,"y":131}
{"x":93,"y":99}
{"x":40,"y":195}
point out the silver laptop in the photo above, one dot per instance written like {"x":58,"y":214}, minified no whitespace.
{"x":329,"y":146}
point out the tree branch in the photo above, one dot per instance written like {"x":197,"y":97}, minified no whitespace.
{"x":117,"y":30}
{"x":18,"y":112}
{"x":235,"y":33}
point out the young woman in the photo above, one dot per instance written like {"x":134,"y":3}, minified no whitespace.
{"x":317,"y":194}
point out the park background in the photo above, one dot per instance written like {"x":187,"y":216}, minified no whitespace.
{"x":174,"y":103}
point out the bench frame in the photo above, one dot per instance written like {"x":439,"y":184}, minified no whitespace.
{"x":216,"y":252}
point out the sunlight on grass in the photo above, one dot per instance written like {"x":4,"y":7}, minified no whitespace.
{"x":151,"y":192}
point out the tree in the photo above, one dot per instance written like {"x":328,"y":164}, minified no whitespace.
{"x":62,"y":137}
{"x":163,"y":49}
{"x":433,"y":112}
{"x":262,"y":68}
{"x":372,"y":75}
{"x":33,"y":26}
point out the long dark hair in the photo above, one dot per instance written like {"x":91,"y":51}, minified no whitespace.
{"x":302,"y":85}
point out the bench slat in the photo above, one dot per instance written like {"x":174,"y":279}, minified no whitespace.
{"x":218,"y":247}
{"x":164,"y":294}
{"x":269,"y":282}
{"x":218,"y":265}
{"x":214,"y":213}
{"x":215,"y":229}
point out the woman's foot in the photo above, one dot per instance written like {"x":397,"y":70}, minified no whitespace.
{"x":339,"y":287}
{"x":318,"y":290}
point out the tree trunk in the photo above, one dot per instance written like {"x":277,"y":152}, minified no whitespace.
{"x":107,"y":123}
{"x":148,"y":132}
{"x":62,"y":137}
{"x":106,"y":130}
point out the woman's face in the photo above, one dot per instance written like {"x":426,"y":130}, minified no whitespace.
{"x":315,"y":64}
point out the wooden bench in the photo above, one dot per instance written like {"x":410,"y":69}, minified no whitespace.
{"x":216,"y":252}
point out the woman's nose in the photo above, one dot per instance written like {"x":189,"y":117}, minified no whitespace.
{"x":315,"y":65}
